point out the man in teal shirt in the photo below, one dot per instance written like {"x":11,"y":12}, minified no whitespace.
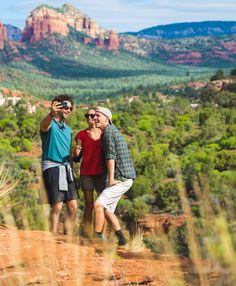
{"x":58,"y":177}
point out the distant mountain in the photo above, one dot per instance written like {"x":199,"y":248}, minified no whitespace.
{"x":62,"y":50}
{"x":199,"y":51}
{"x":188,"y":30}
{"x":13,"y":33}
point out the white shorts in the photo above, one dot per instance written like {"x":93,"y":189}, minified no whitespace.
{"x":111,"y":195}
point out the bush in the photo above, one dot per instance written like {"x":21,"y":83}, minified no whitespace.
{"x":218,"y":75}
{"x":228,"y":143}
{"x":179,"y":240}
{"x":25,"y":163}
{"x":138,"y":208}
{"x":233,"y":72}
{"x":142,"y":185}
{"x":225,"y":160}
{"x":27,"y":145}
{"x":167,"y":197}
{"x":231,"y":87}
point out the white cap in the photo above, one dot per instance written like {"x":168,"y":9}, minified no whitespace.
{"x":105,"y":111}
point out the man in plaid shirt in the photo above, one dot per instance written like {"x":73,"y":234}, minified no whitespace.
{"x":121,"y":172}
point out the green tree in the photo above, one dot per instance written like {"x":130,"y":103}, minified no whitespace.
{"x":218,"y":75}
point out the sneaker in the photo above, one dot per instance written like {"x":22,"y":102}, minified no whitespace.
{"x":98,"y":238}
{"x":122,"y":241}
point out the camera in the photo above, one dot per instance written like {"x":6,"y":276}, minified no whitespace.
{"x":64,"y":104}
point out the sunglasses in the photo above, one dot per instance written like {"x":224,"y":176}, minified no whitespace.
{"x":68,"y":108}
{"x":89,"y":115}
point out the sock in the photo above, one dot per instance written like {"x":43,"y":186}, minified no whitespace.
{"x":99,"y":235}
{"x":120,"y":236}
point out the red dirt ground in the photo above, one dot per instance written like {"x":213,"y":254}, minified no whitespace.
{"x":38,"y":258}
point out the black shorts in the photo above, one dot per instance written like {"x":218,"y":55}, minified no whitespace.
{"x":51,"y":182}
{"x":91,"y":182}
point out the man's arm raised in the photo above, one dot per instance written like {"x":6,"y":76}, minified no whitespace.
{"x":46,"y":122}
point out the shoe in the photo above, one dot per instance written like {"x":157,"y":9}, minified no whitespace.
{"x":98,"y":238}
{"x":122,"y":241}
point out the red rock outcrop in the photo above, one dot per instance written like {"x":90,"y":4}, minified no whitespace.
{"x":113,"y":41}
{"x":3,"y":36}
{"x":45,"y":21}
{"x":100,"y":43}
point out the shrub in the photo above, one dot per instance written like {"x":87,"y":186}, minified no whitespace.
{"x":228,"y":143}
{"x":233,"y":72}
{"x":218,"y":75}
{"x":179,"y":240}
{"x":138,"y":208}
{"x":25,"y":163}
{"x":167,"y":197}
{"x":27,"y":145}
{"x":142,"y":185}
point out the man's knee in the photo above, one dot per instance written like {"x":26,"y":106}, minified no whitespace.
{"x":56,"y":208}
{"x":98,"y":207}
{"x":72,"y":207}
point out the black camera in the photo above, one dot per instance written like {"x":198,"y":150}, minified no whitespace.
{"x":64,"y":104}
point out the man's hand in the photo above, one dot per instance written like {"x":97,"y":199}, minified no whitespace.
{"x":55,"y":107}
{"x":113,"y":183}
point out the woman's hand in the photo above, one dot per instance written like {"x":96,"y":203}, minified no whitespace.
{"x":77,"y":149}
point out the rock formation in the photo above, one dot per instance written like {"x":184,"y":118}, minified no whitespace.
{"x":113,"y":41}
{"x":43,"y":22}
{"x":3,"y":36}
{"x":100,"y":43}
{"x":46,"y":20}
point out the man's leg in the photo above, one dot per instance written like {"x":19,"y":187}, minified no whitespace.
{"x":113,"y":220}
{"x":108,"y":200}
{"x":70,"y":218}
{"x":54,"y":216}
{"x":99,"y":218}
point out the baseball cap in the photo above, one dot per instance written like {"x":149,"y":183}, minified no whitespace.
{"x":105,"y":111}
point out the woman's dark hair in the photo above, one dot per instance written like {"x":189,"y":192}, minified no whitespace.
{"x":63,"y":97}
{"x":91,"y":108}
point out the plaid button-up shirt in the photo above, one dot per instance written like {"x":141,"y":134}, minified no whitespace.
{"x":115,"y":148}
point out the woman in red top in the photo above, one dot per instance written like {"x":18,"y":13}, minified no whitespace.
{"x":91,"y":171}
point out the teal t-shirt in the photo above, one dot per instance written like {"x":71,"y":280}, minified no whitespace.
{"x":56,"y":142}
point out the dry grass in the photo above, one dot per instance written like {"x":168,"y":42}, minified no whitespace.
{"x":6,"y":184}
{"x":136,"y":243}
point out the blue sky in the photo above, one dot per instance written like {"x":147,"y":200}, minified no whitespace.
{"x":128,"y":15}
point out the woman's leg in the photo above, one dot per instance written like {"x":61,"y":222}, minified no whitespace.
{"x":89,"y":203}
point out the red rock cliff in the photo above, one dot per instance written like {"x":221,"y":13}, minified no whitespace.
{"x":113,"y":41}
{"x":3,"y":36}
{"x":45,"y":21}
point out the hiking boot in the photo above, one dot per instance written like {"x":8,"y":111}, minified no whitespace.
{"x":121,"y":239}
